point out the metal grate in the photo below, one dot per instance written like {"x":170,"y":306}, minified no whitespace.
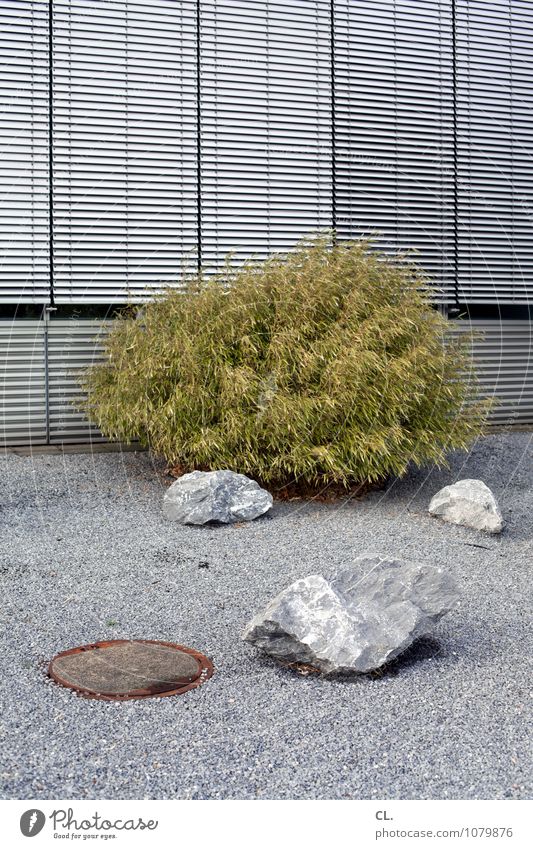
{"x":73,"y":345}
{"x":503,"y":357}
{"x":40,"y":364}
{"x":23,"y":397}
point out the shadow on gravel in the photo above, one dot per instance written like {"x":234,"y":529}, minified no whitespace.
{"x":422,"y":649}
{"x":425,"y":648}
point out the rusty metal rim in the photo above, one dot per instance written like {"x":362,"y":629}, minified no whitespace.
{"x":206,"y":671}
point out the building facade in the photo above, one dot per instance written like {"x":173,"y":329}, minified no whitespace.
{"x":141,"y":139}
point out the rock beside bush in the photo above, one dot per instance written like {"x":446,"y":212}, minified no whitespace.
{"x":221,"y":496}
{"x":468,"y":502}
{"x":367,"y":615}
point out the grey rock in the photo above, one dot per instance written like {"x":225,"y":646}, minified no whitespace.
{"x":222,"y":496}
{"x":366,"y":616}
{"x":470,"y":503}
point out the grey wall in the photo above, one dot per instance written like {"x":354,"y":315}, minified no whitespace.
{"x":145,"y":138}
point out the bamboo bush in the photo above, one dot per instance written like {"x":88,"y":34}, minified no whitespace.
{"x":328,"y":365}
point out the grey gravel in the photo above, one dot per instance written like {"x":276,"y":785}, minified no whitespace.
{"x":469,"y":503}
{"x":197,"y":498}
{"x":360,"y":619}
{"x":87,"y":554}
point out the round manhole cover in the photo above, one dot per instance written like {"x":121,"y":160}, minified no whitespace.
{"x":130,"y":669}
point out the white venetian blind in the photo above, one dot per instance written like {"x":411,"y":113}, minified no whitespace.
{"x":495,"y":150}
{"x":124,"y":147}
{"x":394,"y":128}
{"x":24,"y":201}
{"x":266,"y":129}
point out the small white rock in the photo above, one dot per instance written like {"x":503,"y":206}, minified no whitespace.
{"x":221,"y":496}
{"x":470,"y":503}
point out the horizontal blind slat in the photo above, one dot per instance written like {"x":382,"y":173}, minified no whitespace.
{"x":24,"y":198}
{"x":266,"y":131}
{"x":124,"y":147}
{"x":495,"y":149}
{"x":394,"y":128}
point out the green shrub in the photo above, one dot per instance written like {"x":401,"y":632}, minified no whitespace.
{"x":327,"y":365}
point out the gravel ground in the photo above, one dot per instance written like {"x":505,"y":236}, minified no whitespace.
{"x":87,"y":555}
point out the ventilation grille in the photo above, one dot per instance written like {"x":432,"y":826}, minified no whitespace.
{"x":502,"y":353}
{"x":73,"y":345}
{"x":23,"y":418}
{"x":502,"y":356}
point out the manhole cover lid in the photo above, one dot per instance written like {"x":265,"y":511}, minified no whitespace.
{"x":130,"y":669}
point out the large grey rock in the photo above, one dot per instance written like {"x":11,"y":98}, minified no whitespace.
{"x":468,"y":502}
{"x":221,"y":496}
{"x":358,"y":621}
